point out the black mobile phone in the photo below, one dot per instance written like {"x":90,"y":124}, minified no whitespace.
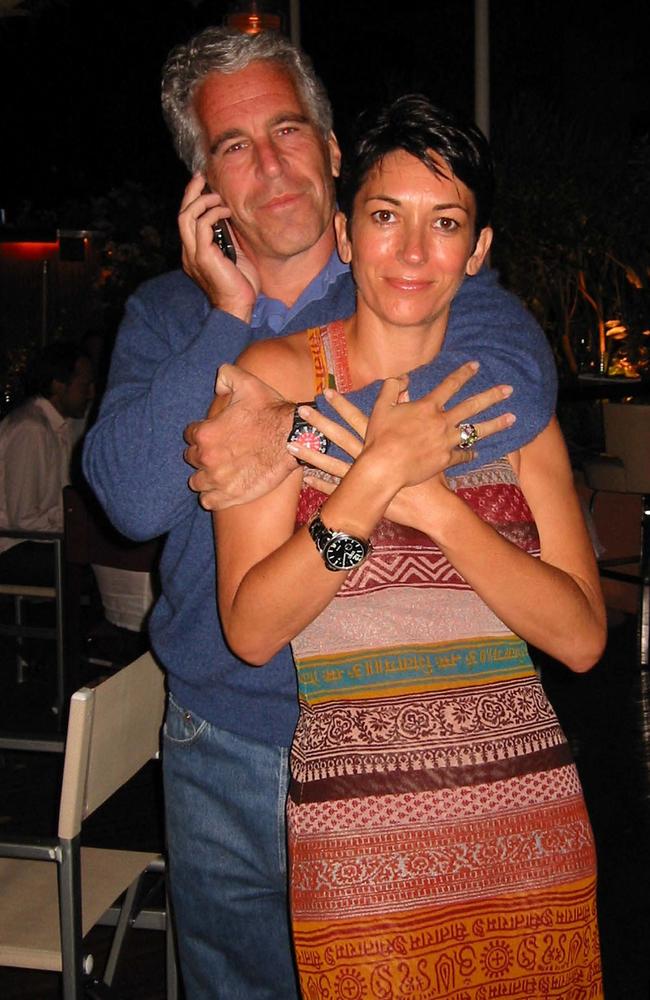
{"x":222,"y":237}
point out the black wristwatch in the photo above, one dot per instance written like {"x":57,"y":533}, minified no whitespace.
{"x":305,"y":434}
{"x":338,"y":549}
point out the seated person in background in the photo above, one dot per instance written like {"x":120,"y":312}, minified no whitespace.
{"x":36,"y":444}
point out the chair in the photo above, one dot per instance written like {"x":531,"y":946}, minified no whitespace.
{"x":90,"y":539}
{"x":22,"y":593}
{"x":53,"y":890}
{"x":625,"y":468}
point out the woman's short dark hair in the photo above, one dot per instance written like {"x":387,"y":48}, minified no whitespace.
{"x":412,"y":123}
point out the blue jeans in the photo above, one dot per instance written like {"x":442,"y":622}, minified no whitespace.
{"x":225,"y":823}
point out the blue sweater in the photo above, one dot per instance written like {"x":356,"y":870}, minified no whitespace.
{"x":163,"y":368}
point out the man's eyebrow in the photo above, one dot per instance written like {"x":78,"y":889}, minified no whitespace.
{"x":238,"y":133}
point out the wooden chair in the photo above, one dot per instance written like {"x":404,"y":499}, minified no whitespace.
{"x":625,"y":468}
{"x":54,"y":890}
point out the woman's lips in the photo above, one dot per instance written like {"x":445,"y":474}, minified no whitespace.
{"x":408,"y":284}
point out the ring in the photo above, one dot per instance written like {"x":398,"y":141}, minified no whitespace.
{"x":468,"y":436}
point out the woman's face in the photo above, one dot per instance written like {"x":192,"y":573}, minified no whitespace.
{"x":411,"y":240}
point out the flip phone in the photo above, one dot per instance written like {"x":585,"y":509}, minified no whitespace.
{"x":223,"y":239}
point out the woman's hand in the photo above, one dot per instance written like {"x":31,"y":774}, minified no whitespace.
{"x":421,"y":437}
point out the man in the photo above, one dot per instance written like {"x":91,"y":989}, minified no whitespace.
{"x":254,"y":125}
{"x":36,"y":442}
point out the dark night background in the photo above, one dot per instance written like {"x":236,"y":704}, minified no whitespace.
{"x":80,"y":79}
{"x":84,"y":145}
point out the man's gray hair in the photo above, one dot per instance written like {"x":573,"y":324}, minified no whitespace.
{"x":223,"y":50}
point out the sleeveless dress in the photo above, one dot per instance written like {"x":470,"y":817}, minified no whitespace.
{"x":439,"y":844}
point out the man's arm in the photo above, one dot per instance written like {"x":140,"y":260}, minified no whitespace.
{"x":31,"y":472}
{"x":162,"y":376}
{"x":493,"y":326}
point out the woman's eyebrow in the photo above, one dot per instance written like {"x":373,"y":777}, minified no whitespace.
{"x":441,"y":207}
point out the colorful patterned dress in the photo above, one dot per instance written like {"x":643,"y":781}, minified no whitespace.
{"x":439,"y":842}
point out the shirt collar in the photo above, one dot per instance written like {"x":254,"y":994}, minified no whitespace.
{"x":54,"y":418}
{"x":275,"y":315}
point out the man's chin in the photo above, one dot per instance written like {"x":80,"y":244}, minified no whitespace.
{"x":292,"y":241}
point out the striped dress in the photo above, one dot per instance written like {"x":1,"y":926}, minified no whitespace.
{"x":439,"y":843}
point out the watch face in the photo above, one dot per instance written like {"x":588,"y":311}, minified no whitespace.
{"x":307,"y":436}
{"x":344,"y":552}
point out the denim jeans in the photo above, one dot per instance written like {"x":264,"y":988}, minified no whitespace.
{"x":225,"y":824}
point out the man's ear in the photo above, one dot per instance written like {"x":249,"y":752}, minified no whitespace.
{"x":342,"y":239}
{"x":483,"y":244}
{"x":335,"y":154}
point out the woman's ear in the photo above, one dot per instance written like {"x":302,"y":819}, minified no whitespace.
{"x":342,"y":239}
{"x":483,"y":244}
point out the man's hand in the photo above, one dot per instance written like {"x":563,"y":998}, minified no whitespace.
{"x":240,"y":448}
{"x":232,"y":288}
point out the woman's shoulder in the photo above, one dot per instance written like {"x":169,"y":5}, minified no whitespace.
{"x":283,"y":362}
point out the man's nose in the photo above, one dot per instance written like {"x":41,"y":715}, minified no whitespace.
{"x":268,"y":158}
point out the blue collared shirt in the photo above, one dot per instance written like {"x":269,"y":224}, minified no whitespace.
{"x":276,"y":316}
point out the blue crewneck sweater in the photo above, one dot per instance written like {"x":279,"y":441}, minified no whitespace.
{"x":162,"y":376}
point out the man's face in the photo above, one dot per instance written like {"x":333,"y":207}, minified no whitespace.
{"x":270,"y":165}
{"x":71,"y":398}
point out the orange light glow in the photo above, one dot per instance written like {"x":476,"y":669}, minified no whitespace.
{"x":253,"y":24}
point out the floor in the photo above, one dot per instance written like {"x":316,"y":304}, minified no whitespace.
{"x":605,"y":714}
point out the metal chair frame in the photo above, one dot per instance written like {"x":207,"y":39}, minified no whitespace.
{"x":22,"y":593}
{"x":113,"y":731}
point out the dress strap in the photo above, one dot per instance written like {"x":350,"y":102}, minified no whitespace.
{"x":329,"y":355}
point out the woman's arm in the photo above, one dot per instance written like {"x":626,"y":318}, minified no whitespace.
{"x":554,"y":602}
{"x":271,"y":580}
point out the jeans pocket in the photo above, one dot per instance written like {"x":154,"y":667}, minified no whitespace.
{"x":182,"y":726}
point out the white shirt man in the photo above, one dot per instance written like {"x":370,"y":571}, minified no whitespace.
{"x":36,"y":442}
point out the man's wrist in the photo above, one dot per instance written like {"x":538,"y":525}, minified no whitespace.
{"x":240,"y":310}
{"x":283,"y":414}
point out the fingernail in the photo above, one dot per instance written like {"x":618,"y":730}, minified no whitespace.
{"x":509,"y":419}
{"x":293,"y":448}
{"x":328,"y":393}
{"x":474,"y":365}
{"x":506,"y":390}
{"x":305,"y":411}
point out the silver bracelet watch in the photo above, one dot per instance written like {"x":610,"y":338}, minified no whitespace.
{"x":338,"y":550}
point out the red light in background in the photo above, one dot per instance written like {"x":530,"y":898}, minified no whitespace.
{"x":29,"y":251}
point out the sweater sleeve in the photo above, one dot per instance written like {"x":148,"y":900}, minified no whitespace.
{"x":490,"y":325}
{"x":163,"y":368}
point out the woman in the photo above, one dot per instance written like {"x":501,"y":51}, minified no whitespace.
{"x":439,"y":843}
